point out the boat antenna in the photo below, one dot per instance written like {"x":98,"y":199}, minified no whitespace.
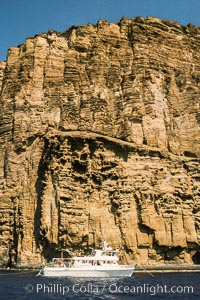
{"x":105,"y":244}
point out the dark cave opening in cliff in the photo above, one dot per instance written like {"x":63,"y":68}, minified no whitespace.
{"x":196,"y":258}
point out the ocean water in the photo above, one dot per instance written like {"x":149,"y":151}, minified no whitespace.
{"x":21,"y":285}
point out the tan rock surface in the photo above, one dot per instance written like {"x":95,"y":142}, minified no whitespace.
{"x":100,"y":139}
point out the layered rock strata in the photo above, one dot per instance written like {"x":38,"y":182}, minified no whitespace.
{"x":100,"y":140}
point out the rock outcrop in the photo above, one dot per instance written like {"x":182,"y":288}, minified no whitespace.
{"x":100,"y":140}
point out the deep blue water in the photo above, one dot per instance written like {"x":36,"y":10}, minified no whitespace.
{"x":20,"y":285}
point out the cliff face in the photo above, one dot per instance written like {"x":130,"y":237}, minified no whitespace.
{"x":100,"y":140}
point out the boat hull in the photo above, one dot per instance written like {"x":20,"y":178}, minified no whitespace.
{"x":120,"y":271}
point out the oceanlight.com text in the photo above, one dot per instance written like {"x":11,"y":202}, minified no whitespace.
{"x":151,"y":289}
{"x":112,"y":288}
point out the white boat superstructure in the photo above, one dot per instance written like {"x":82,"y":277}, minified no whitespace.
{"x":101,"y":263}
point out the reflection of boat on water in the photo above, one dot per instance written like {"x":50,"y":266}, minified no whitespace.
{"x":101,"y":263}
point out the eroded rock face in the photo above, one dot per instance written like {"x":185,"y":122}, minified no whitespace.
{"x":100,"y":140}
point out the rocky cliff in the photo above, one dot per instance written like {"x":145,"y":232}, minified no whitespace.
{"x":100,"y":140}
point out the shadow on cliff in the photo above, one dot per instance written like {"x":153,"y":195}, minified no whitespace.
{"x":39,"y":186}
{"x":47,"y":249}
{"x":196,"y":258}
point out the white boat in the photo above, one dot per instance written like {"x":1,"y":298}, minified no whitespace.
{"x":101,"y":263}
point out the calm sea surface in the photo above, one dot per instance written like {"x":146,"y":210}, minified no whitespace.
{"x":20,"y":285}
